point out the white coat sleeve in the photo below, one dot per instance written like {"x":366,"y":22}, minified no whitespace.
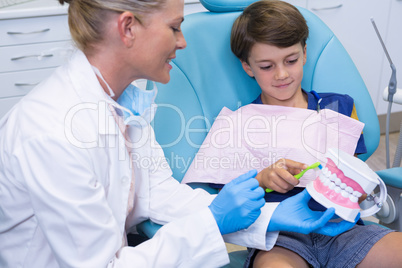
{"x":192,"y":241}
{"x":256,"y":235}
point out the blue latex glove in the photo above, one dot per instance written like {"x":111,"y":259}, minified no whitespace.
{"x":238,"y":204}
{"x":294,"y":215}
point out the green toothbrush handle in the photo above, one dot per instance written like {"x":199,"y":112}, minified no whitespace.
{"x":298,"y":176}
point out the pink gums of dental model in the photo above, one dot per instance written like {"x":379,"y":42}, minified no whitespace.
{"x":331,"y":192}
{"x":340,"y":185}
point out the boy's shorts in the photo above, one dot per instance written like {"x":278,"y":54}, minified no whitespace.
{"x":345,"y":250}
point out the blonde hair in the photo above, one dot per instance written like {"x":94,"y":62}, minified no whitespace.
{"x":87,"y":18}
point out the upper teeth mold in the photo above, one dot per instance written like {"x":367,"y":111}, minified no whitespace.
{"x":342,"y":181}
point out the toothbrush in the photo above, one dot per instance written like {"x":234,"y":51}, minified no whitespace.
{"x":298,"y":176}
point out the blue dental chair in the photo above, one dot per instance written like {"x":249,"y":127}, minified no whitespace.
{"x":206,"y":77}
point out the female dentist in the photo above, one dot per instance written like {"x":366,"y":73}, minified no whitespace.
{"x":70,"y":188}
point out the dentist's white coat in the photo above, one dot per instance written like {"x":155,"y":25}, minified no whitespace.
{"x":64,"y":184}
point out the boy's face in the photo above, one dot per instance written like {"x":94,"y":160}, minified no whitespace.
{"x":279,"y":72}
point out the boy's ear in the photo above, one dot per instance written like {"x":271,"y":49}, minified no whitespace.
{"x":305,"y":54}
{"x":126,"y":25}
{"x":247,"y":68}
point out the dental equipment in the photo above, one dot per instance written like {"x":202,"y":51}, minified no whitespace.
{"x":389,"y":93}
{"x":342,"y":181}
{"x":313,"y":166}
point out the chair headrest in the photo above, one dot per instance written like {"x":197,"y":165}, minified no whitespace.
{"x":226,"y":5}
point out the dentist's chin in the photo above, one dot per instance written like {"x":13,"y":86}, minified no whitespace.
{"x":165,"y":79}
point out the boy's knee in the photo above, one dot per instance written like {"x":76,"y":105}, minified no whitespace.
{"x":279,"y":257}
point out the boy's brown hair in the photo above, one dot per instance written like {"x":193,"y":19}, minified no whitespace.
{"x":270,"y":22}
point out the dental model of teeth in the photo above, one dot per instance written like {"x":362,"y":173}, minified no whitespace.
{"x":342,"y":181}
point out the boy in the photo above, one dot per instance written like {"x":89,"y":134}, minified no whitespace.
{"x":269,"y":38}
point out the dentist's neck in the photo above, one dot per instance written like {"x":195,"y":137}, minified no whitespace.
{"x":112,"y":72}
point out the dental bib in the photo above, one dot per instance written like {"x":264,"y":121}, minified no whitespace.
{"x":343,"y":179}
{"x":256,"y":136}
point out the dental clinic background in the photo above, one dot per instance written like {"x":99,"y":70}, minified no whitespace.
{"x":34,"y":40}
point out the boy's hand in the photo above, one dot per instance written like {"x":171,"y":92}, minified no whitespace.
{"x":280,"y":176}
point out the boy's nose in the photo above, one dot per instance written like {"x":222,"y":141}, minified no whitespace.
{"x":281,"y":73}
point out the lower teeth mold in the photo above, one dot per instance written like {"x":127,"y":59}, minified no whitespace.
{"x":342,"y":180}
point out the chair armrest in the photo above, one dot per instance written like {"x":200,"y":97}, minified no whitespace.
{"x":392,"y":176}
{"x":148,"y":228}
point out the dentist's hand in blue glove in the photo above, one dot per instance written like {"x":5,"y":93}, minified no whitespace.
{"x":238,"y":204}
{"x":294,"y":215}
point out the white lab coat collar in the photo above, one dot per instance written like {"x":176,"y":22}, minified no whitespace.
{"x":90,"y":91}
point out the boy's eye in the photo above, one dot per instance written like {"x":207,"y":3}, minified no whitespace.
{"x":266,"y":67}
{"x":293,"y":61}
